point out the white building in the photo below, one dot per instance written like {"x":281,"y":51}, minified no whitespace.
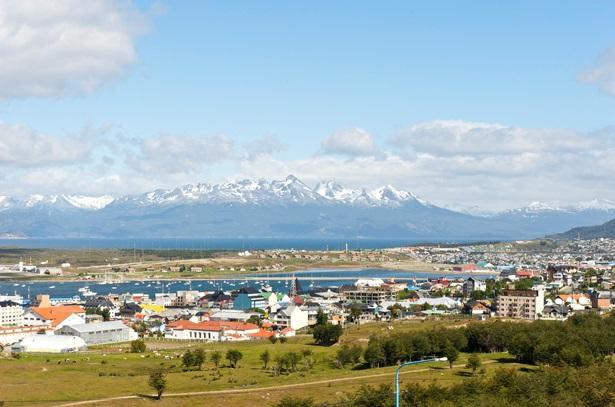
{"x":12,"y":334}
{"x":50,"y":344}
{"x":210,"y":331}
{"x":11,"y":313}
{"x":291,"y":316}
{"x":100,"y":332}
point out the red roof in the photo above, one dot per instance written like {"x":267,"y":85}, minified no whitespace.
{"x":216,"y":326}
{"x":58,"y":313}
{"x":262,"y":334}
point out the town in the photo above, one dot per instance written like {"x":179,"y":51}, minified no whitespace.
{"x":493,"y":282}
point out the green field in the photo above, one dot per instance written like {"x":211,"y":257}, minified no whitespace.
{"x":110,"y":371}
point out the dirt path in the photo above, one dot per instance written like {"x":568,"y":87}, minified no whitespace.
{"x":257,"y":389}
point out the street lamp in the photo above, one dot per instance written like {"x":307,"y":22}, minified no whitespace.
{"x":414,"y":362}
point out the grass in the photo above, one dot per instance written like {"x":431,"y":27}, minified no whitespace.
{"x":108,"y":371}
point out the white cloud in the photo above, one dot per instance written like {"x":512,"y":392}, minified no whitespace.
{"x":21,"y":146}
{"x":181,"y":154}
{"x":350,"y":142}
{"x":265,"y":145}
{"x":456,"y":137}
{"x":451,"y":162}
{"x":491,"y":165}
{"x":65,"y":47}
{"x":602,"y":73}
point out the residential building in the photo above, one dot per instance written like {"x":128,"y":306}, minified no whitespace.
{"x":210,"y":331}
{"x":367,"y":294}
{"x":11,"y":313}
{"x":56,"y":316}
{"x":520,"y":304}
{"x":471,"y":284}
{"x":292,"y":316}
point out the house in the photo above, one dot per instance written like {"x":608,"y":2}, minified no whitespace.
{"x":248,"y":298}
{"x":99,"y":333}
{"x":555,"y":311}
{"x":602,"y":299}
{"x":579,"y":299}
{"x":11,"y":313}
{"x":130,"y":309}
{"x":476,"y":308}
{"x":232,"y":315}
{"x":218,"y":299}
{"x":210,"y":331}
{"x":56,"y":316}
{"x":291,"y":316}
{"x":472,"y":284}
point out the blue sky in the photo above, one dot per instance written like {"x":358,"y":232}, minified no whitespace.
{"x":268,"y":88}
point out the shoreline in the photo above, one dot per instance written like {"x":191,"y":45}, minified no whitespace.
{"x":258,"y":275}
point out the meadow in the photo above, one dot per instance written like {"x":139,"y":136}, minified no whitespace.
{"x":110,"y":371}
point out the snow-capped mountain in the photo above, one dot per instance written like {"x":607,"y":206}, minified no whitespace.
{"x":280,"y":208}
{"x":56,"y":201}
{"x":262,"y":192}
{"x":536,"y":208}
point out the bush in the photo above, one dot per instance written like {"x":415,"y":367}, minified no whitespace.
{"x":137,"y":346}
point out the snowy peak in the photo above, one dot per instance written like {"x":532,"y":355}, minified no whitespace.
{"x":335,"y":192}
{"x":93,"y":203}
{"x":290,"y":190}
{"x":58,"y":201}
{"x":537,"y":208}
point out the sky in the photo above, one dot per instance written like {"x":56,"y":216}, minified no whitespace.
{"x":465,"y":103}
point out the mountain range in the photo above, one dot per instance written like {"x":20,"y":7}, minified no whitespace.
{"x":283,"y":208}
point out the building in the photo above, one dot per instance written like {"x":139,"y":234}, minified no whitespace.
{"x":520,"y":304}
{"x":12,"y":334}
{"x":100,"y":332}
{"x":56,"y":316}
{"x":291,"y":316}
{"x":368,"y":294}
{"x":50,"y":344}
{"x":210,"y":331}
{"x":249,"y":298}
{"x":11,"y":313}
{"x":471,"y":285}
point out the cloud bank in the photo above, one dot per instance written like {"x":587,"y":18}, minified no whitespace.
{"x":65,"y":47}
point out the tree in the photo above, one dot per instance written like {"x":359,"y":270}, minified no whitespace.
{"x":451,"y":353}
{"x":234,"y":356}
{"x":321,"y":317}
{"x":216,"y":357}
{"x":255,"y":319}
{"x":374,"y":355}
{"x":327,"y":334}
{"x":473,"y":362}
{"x":137,"y":346}
{"x":265,"y":357}
{"x":355,"y":311}
{"x":188,"y":359}
{"x":198,"y":358}
{"x":158,"y":381}
{"x":193,"y":359}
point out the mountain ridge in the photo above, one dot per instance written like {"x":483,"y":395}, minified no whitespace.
{"x":282,"y":208}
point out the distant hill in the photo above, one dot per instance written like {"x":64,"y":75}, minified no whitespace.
{"x":606,"y":230}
